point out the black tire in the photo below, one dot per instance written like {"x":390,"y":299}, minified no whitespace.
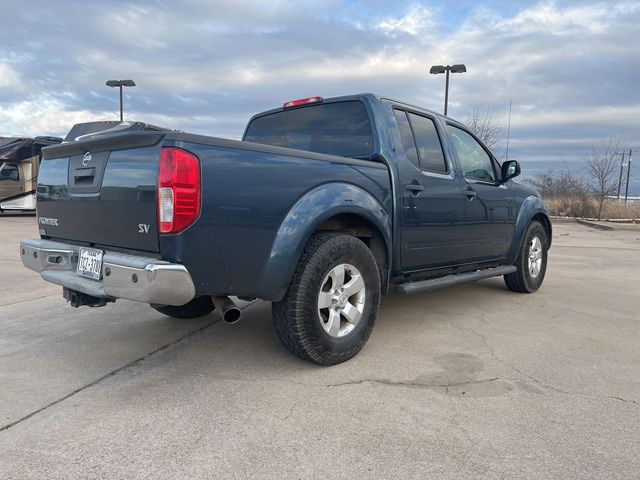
{"x":297,"y":318}
{"x":522,"y":280}
{"x":198,"y":307}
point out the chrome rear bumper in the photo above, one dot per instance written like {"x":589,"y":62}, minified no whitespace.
{"x":141,"y":279}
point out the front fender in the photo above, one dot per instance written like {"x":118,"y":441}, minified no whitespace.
{"x":310,"y":211}
{"x":531,"y":207}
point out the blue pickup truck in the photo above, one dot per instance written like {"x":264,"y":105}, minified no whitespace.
{"x":324,"y":206}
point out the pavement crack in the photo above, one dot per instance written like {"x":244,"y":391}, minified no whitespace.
{"x":536,"y":381}
{"x":388,"y":383}
{"x":625,"y":400}
{"x":412,"y":383}
{"x":110,"y":374}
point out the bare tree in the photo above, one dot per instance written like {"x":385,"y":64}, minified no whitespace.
{"x":483,"y":123}
{"x":602,"y":167}
{"x":565,"y":193}
{"x":563,"y":184}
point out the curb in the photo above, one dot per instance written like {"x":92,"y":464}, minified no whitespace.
{"x":607,"y":227}
{"x":597,"y":226}
{"x":563,"y":219}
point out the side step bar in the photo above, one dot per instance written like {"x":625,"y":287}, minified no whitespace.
{"x":447,"y":281}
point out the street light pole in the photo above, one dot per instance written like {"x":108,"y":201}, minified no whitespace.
{"x":120,"y":84}
{"x":458,"y":68}
{"x":121,"y":109}
{"x":446,"y":93}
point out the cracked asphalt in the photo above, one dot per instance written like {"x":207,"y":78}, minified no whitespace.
{"x":469,"y":382}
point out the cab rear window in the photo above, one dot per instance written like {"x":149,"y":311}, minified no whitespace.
{"x":340,"y":128}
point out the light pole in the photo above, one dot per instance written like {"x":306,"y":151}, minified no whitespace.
{"x":459,"y":68}
{"x":120,"y":84}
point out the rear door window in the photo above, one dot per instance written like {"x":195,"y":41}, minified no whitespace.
{"x":420,"y":141}
{"x":428,"y":143}
{"x":340,"y":128}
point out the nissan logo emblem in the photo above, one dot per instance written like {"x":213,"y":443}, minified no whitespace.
{"x":86,"y":159}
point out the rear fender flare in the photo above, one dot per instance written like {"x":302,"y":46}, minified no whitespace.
{"x":309,"y":212}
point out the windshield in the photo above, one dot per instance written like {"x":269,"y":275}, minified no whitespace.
{"x":340,"y":128}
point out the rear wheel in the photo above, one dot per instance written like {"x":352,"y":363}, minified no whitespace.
{"x":198,"y":307}
{"x":531,"y":263}
{"x":332,"y":302}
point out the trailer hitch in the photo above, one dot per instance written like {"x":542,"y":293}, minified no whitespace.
{"x":79,"y":299}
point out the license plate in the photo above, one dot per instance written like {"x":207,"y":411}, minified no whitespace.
{"x":90,"y":263}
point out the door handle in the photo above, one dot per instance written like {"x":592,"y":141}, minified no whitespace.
{"x":470,"y":193}
{"x":414,"y":187}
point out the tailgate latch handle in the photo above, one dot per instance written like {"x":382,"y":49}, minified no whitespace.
{"x":84,"y":173}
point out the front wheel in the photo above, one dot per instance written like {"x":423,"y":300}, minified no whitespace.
{"x":531,"y":263}
{"x":331,"y":305}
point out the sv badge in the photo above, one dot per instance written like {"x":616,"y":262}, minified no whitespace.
{"x":143,"y":228}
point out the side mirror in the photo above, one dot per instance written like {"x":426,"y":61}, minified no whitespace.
{"x":510,"y":169}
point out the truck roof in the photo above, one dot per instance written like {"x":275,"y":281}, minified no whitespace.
{"x":357,"y":96}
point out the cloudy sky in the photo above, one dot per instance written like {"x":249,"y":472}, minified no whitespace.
{"x":571,"y":68}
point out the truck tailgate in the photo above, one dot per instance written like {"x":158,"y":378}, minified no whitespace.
{"x":101,"y":191}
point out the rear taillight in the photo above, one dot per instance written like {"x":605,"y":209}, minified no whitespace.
{"x":178,"y":190}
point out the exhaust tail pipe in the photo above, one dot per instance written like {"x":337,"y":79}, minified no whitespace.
{"x":228,"y":309}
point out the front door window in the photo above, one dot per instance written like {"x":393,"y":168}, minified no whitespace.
{"x":476,"y":162}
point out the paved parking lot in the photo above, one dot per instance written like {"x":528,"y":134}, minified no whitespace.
{"x":469,"y":382}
